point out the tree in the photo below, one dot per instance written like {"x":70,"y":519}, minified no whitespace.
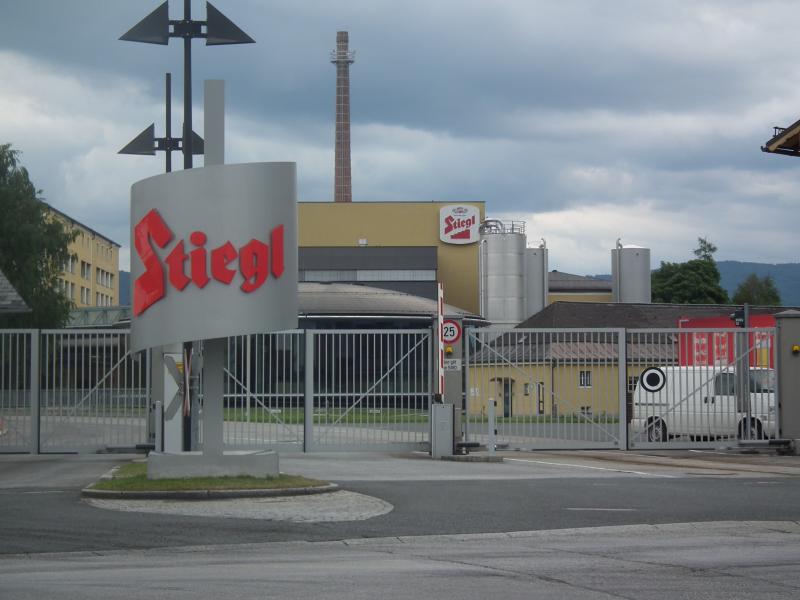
{"x":694,"y":282}
{"x":33,"y":247}
{"x":705,"y":250}
{"x":757,"y":290}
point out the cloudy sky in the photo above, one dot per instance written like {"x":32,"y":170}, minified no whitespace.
{"x":591,"y":120}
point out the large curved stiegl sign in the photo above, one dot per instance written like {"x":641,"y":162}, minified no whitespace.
{"x":214,"y":253}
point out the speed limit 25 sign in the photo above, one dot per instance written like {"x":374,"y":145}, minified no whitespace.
{"x":451,"y":331}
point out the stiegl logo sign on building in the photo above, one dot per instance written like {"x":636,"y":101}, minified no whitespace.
{"x":458,"y":224}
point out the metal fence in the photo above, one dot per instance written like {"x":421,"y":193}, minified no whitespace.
{"x":264,"y":396}
{"x":609,"y":388}
{"x":553,"y":388}
{"x":94,"y":392}
{"x":17,"y":387}
{"x":83,"y":391}
{"x":371,"y":389}
{"x":328,"y":390}
{"x":71,"y":391}
{"x":705,"y":387}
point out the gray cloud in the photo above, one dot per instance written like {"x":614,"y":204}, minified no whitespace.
{"x":570,"y":113}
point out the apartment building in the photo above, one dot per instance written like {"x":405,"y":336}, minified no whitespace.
{"x":91,"y":276}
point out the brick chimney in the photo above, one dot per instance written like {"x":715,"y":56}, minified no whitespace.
{"x":342,"y":57}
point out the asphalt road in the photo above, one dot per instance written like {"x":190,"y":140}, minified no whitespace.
{"x":41,"y":509}
{"x":743,"y":540}
{"x":716,"y":561}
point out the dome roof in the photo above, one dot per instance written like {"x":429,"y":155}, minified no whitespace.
{"x":348,"y":299}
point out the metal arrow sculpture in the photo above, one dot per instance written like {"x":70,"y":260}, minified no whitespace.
{"x":157,"y":28}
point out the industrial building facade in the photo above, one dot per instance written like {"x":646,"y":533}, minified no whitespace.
{"x":391,"y":245}
{"x":90,"y":278}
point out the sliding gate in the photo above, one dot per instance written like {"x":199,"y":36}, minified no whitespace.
{"x":552,"y":388}
{"x":612,"y":388}
{"x":331,"y":390}
{"x":72,"y":391}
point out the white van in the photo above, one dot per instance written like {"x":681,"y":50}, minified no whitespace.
{"x":701,"y":402}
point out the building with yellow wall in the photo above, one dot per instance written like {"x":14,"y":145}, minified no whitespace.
{"x":398,"y":228}
{"x":565,"y":287}
{"x":91,"y":276}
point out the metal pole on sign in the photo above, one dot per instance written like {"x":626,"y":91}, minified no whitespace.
{"x":168,"y":124}
{"x":187,"y":88}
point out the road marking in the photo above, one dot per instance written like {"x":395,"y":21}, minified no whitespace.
{"x":710,"y":452}
{"x":555,"y":464}
{"x":9,"y":492}
{"x":606,"y":509}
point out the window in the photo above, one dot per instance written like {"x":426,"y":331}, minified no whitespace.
{"x":85,"y":295}
{"x":585,"y":379}
{"x":104,"y":278}
{"x":86,"y":270}
{"x":725,"y":384}
{"x":368,"y":275}
{"x":331,"y":275}
{"x":396,"y":275}
{"x":762,"y":381}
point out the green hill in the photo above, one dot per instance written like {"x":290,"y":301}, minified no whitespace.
{"x":786,"y":276}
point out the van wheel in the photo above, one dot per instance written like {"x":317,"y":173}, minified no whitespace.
{"x":656,"y":431}
{"x":756,"y":430}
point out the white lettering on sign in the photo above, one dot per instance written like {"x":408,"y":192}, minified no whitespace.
{"x":458,"y":224}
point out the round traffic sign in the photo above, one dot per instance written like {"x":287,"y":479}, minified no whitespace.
{"x":451,"y":331}
{"x":653,"y":379}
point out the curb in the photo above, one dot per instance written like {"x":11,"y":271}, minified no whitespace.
{"x":481,"y":458}
{"x":91,"y":492}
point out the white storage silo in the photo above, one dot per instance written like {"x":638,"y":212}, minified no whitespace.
{"x":502,"y":256}
{"x":536,"y":285}
{"x":630,"y":270}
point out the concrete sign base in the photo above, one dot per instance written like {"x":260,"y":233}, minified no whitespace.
{"x":162,"y":465}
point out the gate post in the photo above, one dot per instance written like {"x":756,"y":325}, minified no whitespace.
{"x":454,"y":372}
{"x":308,"y":393}
{"x":36,"y":378}
{"x":787,"y":355}
{"x":465,"y":401}
{"x":622,"y":354}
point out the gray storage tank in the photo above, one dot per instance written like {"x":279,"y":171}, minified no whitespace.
{"x":630,"y":270}
{"x":502,"y":271}
{"x":536,"y":284}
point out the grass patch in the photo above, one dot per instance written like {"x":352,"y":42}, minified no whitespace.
{"x":132,"y":477}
